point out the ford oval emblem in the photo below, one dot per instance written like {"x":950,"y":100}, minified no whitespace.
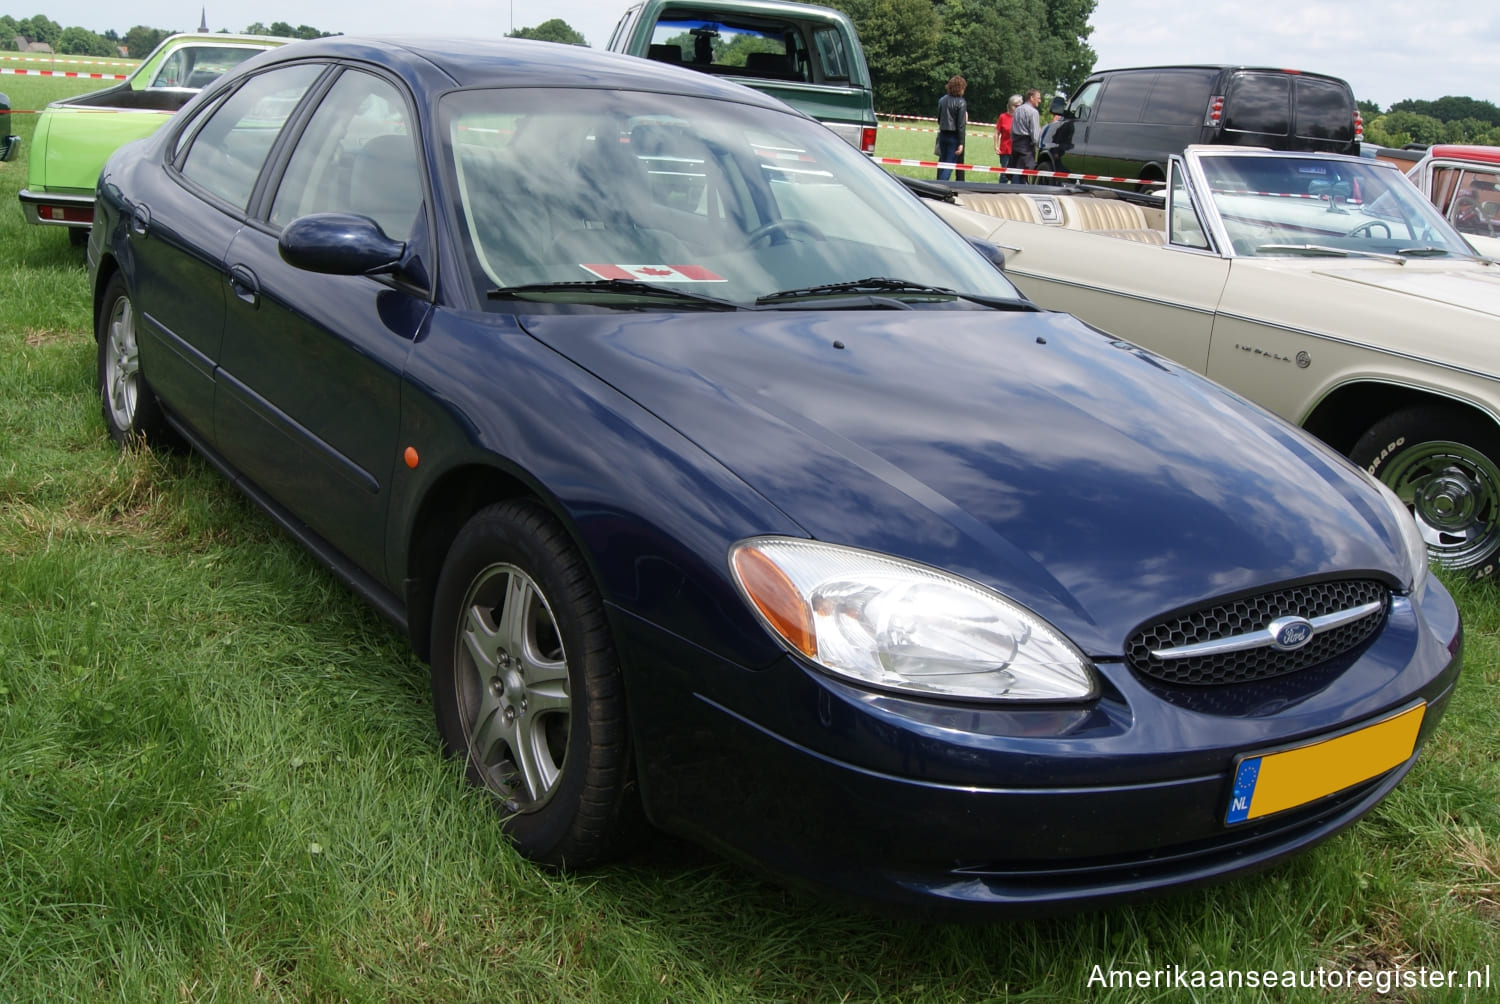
{"x":1290,"y":633}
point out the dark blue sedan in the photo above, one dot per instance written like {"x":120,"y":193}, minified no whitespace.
{"x":727,"y":489}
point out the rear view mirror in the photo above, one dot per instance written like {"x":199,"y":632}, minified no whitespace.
{"x":339,"y":244}
{"x":992,"y":252}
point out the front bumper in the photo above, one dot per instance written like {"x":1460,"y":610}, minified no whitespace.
{"x":57,"y":210}
{"x":8,"y":147}
{"x":946,"y":810}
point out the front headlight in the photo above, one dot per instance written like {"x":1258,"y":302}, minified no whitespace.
{"x":1411,"y":535}
{"x":895,"y":624}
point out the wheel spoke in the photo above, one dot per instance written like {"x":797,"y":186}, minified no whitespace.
{"x":483,"y":641}
{"x":493,"y":734}
{"x":533,"y":759}
{"x":515,"y":615}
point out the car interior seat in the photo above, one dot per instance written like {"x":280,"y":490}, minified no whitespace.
{"x":385,"y":185}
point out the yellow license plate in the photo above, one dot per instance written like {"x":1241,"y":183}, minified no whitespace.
{"x":1270,"y":782}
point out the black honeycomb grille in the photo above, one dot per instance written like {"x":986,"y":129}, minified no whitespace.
{"x":1253,"y":613}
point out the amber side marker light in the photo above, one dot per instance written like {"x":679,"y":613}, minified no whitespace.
{"x":410,"y":456}
{"x":777,"y":599}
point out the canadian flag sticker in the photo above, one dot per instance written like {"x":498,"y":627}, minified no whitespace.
{"x":655,"y":273}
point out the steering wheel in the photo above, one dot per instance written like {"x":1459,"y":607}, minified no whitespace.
{"x":784,"y":226}
{"x":1367,"y":229}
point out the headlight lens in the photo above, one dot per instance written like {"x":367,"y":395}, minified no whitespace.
{"x":1416,"y":547}
{"x":903,"y":626}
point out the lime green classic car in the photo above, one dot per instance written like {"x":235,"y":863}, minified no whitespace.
{"x":74,"y":136}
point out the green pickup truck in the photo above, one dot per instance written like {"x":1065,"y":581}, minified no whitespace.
{"x":74,"y":136}
{"x":807,"y":56}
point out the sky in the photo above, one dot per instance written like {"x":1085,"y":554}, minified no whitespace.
{"x":1388,"y":50}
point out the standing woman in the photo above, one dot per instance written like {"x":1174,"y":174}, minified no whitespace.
{"x":1002,"y":130}
{"x":953,"y":119}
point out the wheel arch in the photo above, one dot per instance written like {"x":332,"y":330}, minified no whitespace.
{"x":1347,"y":411}
{"x":446,"y":505}
{"x":106,"y":271}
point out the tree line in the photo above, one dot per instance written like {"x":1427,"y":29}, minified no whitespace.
{"x":137,"y":42}
{"x":1447,"y":120}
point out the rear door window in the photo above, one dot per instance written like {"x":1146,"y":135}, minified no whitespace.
{"x":1324,"y":110}
{"x":227,"y":153}
{"x":1259,"y":103}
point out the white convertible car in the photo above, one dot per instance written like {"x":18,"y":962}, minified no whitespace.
{"x":1326,"y":288}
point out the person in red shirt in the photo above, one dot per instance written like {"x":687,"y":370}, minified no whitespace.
{"x":1002,"y":130}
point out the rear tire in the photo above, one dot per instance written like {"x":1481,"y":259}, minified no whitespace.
{"x":527,"y":689}
{"x":131,"y":412}
{"x":1444,"y":463}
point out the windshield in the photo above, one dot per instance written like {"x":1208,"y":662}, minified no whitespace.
{"x":721,"y":199}
{"x":1274,"y":206}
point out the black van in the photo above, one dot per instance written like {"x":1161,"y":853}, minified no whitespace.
{"x":1129,"y":122}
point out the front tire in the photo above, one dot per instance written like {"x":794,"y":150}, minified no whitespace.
{"x":131,"y":413}
{"x":1444,"y":463}
{"x":527,"y":689}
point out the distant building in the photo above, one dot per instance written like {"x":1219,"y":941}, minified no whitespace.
{"x":203,"y":21}
{"x":22,"y":45}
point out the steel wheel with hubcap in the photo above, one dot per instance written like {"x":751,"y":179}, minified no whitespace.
{"x":526,"y":686}
{"x":1442,"y":463}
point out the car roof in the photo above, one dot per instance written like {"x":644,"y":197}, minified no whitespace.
{"x":1234,"y":67}
{"x":1457,"y":151}
{"x":514,"y":62}
{"x":785,"y":8}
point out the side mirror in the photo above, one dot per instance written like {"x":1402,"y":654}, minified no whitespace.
{"x":1059,"y":105}
{"x":992,"y":252}
{"x":339,"y":244}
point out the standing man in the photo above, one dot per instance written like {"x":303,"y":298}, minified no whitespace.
{"x":953,"y":125}
{"x":1026,"y":131}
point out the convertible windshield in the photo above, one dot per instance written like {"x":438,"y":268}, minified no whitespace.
{"x":1282,"y":205}
{"x":732,"y":201}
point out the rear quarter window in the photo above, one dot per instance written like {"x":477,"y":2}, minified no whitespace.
{"x":829,"y":44}
{"x":1124,"y":97}
{"x":1178,"y":97}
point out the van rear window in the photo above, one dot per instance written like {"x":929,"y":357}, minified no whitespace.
{"x":1259,"y":102}
{"x":1324,"y":111}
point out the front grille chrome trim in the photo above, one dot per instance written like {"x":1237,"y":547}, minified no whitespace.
{"x":1265,"y":638}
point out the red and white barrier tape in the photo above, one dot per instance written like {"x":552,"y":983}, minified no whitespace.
{"x":61,"y":59}
{"x":64,"y":73}
{"x":1021,"y":171}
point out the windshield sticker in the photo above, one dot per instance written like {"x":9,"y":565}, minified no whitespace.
{"x":654,"y":273}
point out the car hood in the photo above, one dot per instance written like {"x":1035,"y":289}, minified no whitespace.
{"x":1466,"y":285}
{"x":1095,"y":482}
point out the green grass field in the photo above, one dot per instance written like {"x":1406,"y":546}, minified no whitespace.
{"x":220,"y":781}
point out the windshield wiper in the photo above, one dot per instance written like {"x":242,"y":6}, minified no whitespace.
{"x":627,"y":289}
{"x":893,"y":288}
{"x":1332,"y":252}
{"x":1424,"y":252}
